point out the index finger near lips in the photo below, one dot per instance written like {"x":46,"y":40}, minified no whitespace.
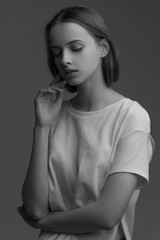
{"x":58,"y":85}
{"x":47,"y":90}
{"x":56,"y":89}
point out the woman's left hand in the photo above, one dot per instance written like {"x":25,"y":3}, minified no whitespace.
{"x":33,"y":223}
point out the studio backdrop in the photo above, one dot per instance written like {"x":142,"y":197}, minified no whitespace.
{"x":134,"y":25}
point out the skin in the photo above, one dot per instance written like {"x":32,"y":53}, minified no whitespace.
{"x":107,"y":211}
{"x":79,"y":55}
{"x":35,"y":187}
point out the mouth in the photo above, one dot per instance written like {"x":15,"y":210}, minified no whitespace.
{"x":70,"y":72}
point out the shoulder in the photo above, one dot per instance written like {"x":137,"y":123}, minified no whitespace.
{"x":138,"y":112}
{"x":136,"y":117}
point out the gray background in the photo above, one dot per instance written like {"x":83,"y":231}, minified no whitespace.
{"x":23,"y":70}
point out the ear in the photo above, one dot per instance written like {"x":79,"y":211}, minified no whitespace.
{"x":104,"y":47}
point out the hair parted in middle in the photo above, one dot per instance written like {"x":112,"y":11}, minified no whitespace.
{"x":95,"y":25}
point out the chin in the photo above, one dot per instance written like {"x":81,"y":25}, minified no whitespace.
{"x":72,"y":82}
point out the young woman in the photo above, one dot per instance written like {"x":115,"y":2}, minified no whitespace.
{"x":90,"y":154}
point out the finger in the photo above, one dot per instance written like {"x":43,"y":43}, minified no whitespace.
{"x":56,"y":89}
{"x":59,"y":84}
{"x":47,"y":90}
{"x":45,"y":93}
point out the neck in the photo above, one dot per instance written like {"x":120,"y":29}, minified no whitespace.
{"x":92,"y":94}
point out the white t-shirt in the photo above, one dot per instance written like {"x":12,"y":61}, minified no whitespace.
{"x":85,"y":148}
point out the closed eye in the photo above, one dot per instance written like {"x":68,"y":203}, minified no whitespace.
{"x":77,"y":49}
{"x":57,"y":52}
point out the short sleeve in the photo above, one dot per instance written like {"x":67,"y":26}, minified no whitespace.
{"x":135,"y":148}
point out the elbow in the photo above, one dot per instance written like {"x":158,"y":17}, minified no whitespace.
{"x":35,"y":213}
{"x":33,"y":210}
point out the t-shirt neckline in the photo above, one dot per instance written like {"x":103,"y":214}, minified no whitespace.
{"x":95,"y":112}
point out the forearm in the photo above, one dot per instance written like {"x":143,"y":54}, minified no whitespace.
{"x":82,"y":220}
{"x":35,"y":188}
{"x":105,"y":213}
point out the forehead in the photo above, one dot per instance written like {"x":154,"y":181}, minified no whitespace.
{"x":63,"y":33}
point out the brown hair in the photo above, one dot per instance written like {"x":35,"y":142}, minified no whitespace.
{"x":93,"y":22}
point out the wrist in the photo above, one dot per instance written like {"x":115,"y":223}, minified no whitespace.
{"x":41,"y":127}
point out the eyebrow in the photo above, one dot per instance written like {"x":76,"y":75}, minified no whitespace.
{"x":74,"y":41}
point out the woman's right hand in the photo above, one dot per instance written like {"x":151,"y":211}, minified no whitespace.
{"x":48,"y":104}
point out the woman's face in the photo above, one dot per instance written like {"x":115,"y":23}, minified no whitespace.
{"x":76,"y":54}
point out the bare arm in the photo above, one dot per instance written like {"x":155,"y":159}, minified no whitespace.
{"x":35,"y":188}
{"x":105,"y":213}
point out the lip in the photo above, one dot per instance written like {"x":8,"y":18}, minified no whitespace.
{"x":70,"y":71}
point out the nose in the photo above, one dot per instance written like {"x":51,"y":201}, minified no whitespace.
{"x":66,"y":58}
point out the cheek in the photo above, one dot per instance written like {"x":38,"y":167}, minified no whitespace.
{"x":92,"y":51}
{"x":91,"y":58}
